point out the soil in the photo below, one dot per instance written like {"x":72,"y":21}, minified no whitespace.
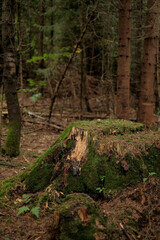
{"x":133,"y":213}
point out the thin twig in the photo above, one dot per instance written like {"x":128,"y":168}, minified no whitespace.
{"x":125,"y":232}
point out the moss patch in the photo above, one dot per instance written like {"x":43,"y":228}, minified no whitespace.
{"x":152,"y":160}
{"x":39,"y":178}
{"x":39,"y":174}
{"x":8,"y":185}
{"x":103,"y":173}
{"x":12,"y":143}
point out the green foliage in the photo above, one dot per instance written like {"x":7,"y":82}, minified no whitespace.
{"x":100,"y":190}
{"x":35,"y":87}
{"x":26,"y":198}
{"x":56,"y":56}
{"x":35,"y":211}
{"x":150,"y":174}
{"x":32,"y":83}
{"x":22,"y":210}
{"x":35,"y":97}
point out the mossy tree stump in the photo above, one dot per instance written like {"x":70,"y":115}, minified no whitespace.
{"x":95,"y":157}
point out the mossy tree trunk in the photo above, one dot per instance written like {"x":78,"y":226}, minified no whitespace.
{"x":12,"y":144}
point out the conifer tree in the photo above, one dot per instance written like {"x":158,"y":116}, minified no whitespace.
{"x":146,"y":100}
{"x":123,"y":78}
{"x":12,"y":144}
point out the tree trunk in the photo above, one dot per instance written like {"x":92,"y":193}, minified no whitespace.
{"x":84,"y":93}
{"x":146,"y":101}
{"x":41,"y":35}
{"x":139,"y":49}
{"x":12,"y":143}
{"x":20,"y":57}
{"x":1,"y":49}
{"x":157,"y":90}
{"x":123,"y":79}
{"x":52,"y":30}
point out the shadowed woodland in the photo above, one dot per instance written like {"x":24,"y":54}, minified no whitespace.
{"x":79,"y":119}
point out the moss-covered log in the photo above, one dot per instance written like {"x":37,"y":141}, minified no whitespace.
{"x":95,"y":157}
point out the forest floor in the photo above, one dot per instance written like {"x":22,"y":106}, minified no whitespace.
{"x":142,"y":202}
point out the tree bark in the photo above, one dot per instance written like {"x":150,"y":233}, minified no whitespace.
{"x":41,"y":35}
{"x":157,"y":90}
{"x":84,"y":92}
{"x":123,"y":79}
{"x":52,"y":30}
{"x":1,"y":49}
{"x":139,"y":49}
{"x":146,"y":101}
{"x":12,"y":144}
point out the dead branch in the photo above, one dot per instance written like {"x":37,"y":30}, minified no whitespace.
{"x":56,"y":125}
{"x":6,"y":164}
{"x":69,"y":62}
{"x":47,"y":124}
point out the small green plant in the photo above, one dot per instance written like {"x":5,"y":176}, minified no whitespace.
{"x":24,"y":209}
{"x":35,"y":211}
{"x":150,"y":174}
{"x":101,"y":189}
{"x":34,"y":88}
{"x":26,"y":198}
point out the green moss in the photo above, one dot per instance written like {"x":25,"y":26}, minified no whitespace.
{"x":12,"y":143}
{"x":115,"y":176}
{"x":7,"y":185}
{"x":39,"y":178}
{"x":38,"y":175}
{"x":152,"y":160}
{"x":71,"y":225}
{"x":111,"y":126}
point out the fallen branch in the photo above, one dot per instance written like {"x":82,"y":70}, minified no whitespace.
{"x":47,"y":124}
{"x":69,"y":62}
{"x":8,"y":164}
{"x":33,"y":115}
